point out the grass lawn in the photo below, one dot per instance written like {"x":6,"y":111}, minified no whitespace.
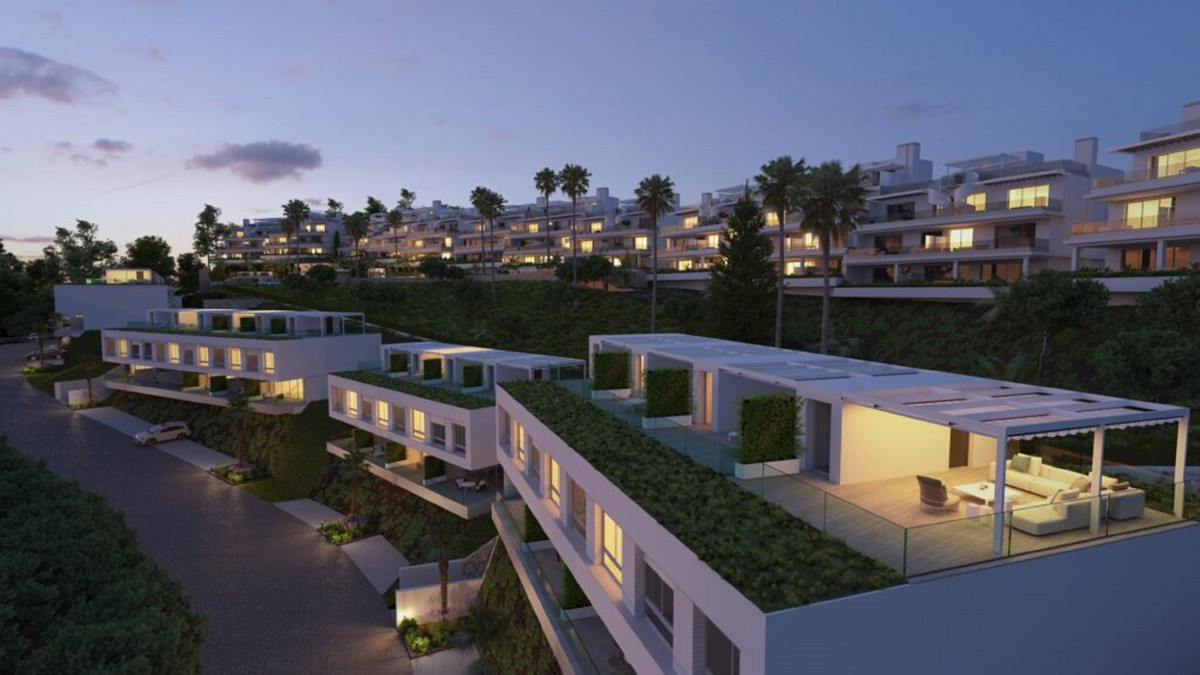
{"x":274,"y":490}
{"x":44,"y":380}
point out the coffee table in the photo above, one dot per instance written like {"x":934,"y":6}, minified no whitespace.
{"x":986,"y":493}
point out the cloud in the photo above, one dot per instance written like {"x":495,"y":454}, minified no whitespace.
{"x":148,"y":51}
{"x":916,"y":110}
{"x":98,"y":154}
{"x":260,"y":162}
{"x":52,"y":17}
{"x":31,"y":74}
{"x":4,"y":149}
{"x":499,"y":134}
{"x":122,"y":188}
{"x":39,"y":239}
{"x":403,"y":64}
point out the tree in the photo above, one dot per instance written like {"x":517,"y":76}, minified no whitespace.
{"x":356,"y":461}
{"x":547,"y":182}
{"x":831,"y":200}
{"x":188,"y":268}
{"x":90,"y":363}
{"x":655,"y":197}
{"x":407,"y":198}
{"x":295,"y":214}
{"x":489,"y":204}
{"x":151,"y":252}
{"x":574,"y":181}
{"x":1041,"y":306}
{"x":484,"y":629}
{"x":778,"y":182}
{"x":395,"y":217}
{"x":743,"y":279}
{"x":239,"y":410}
{"x":209,"y":232}
{"x":1174,"y":305}
{"x":82,"y":254}
{"x":1152,"y":363}
{"x":322,"y":274}
{"x":375,"y":206}
{"x":441,"y":548}
{"x":356,"y":225}
{"x":333,"y":209}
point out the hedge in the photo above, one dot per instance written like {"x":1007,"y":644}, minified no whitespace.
{"x":363,"y":438}
{"x":396,"y":452}
{"x":277,"y":325}
{"x":454,"y":398}
{"x":218,"y":383}
{"x":246,"y":324}
{"x":434,"y":467}
{"x":775,"y":559}
{"x":78,"y":594}
{"x":573,"y":596}
{"x":668,"y":392}
{"x":188,"y":379}
{"x":610,"y":370}
{"x":251,"y":387}
{"x":472,"y":375}
{"x":398,"y":362}
{"x":220,"y":322}
{"x":432,"y":369}
{"x":533,"y":529}
{"x":767,"y":428}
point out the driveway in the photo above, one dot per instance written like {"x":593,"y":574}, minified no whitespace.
{"x":278,"y":598}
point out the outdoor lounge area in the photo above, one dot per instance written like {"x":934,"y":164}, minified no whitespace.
{"x":270,"y":398}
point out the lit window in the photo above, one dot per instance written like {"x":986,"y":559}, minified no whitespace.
{"x":1029,"y":197}
{"x":683,"y":265}
{"x":611,"y":546}
{"x":235,"y":358}
{"x":268,"y":362}
{"x":586,"y":246}
{"x":519,"y":445}
{"x":533,"y":228}
{"x":977,"y":200}
{"x":382,"y":413}
{"x":418,"y":424}
{"x":962,"y":238}
{"x":554,"y":481}
{"x":712,"y":241}
{"x":690,"y":221}
{"x":566,"y":242}
{"x":352,"y":403}
{"x":772,"y":218}
{"x":173,"y":352}
{"x":596,"y":226}
{"x":1149,"y":213}
{"x":1174,"y":163}
{"x":122,"y":347}
{"x":319,"y":228}
{"x":205,"y":356}
{"x":641,"y":243}
{"x":448,"y":241}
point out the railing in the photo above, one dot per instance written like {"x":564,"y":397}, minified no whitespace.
{"x":1034,"y":245}
{"x":1145,"y":223}
{"x":1169,"y":129}
{"x":1054,"y":205}
{"x":1144,"y":175}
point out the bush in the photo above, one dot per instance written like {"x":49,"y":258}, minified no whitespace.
{"x":407,"y":625}
{"x":297,"y":282}
{"x":767,"y":428}
{"x":252,"y":387}
{"x":668,"y":392}
{"x":218,"y":383}
{"x":434,"y":467}
{"x":86,"y":345}
{"x":396,"y":452}
{"x":573,"y":596}
{"x":398,"y":362}
{"x":432,"y":369}
{"x":436,"y":268}
{"x":524,"y":650}
{"x":533,"y":529}
{"x":322,"y":274}
{"x":78,"y":594}
{"x":363,"y":438}
{"x":472,"y":375}
{"x":246,"y":324}
{"x":610,"y":370}
{"x":190,"y":379}
{"x":512,"y":327}
{"x":277,"y":326}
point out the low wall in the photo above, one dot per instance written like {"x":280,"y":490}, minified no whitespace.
{"x":418,"y":594}
{"x":75,"y":392}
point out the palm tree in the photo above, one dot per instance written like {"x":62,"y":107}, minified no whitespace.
{"x":778,"y":182}
{"x":394,"y":218}
{"x":547,"y":183}
{"x":356,"y":460}
{"x":832,"y":200}
{"x":441,"y":543}
{"x":357,"y":225}
{"x":239,"y":410}
{"x":484,"y":628}
{"x":41,"y":329}
{"x":489,"y":204}
{"x":574,"y":181}
{"x":90,"y":364}
{"x":295,"y":214}
{"x":655,"y":197}
{"x":333,"y":209}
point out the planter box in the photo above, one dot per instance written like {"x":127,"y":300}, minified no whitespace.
{"x":433,"y":481}
{"x":659,"y":422}
{"x":787,"y":466}
{"x":472,"y":390}
{"x":611,"y":393}
{"x":578,"y":613}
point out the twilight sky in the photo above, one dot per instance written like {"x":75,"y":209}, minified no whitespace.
{"x":134,"y":113}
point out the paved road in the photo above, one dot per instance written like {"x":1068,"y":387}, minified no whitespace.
{"x":278,"y":599}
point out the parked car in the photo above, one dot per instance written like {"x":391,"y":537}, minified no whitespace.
{"x":167,"y":431}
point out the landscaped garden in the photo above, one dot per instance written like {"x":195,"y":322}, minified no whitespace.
{"x":447,"y":396}
{"x":78,"y":596}
{"x":524,"y":649}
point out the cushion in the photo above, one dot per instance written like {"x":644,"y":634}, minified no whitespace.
{"x":1065,"y":496}
{"x":1035,"y":465}
{"x":1021,"y":463}
{"x":1119,"y":486}
{"x":1083,"y":484}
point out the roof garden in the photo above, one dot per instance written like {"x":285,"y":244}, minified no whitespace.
{"x":429,"y":393}
{"x":774,"y":559}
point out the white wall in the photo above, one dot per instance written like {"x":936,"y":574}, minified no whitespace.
{"x":877,"y":445}
{"x":111,"y":306}
{"x":1125,"y":602}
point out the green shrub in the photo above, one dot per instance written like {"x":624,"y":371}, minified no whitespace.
{"x":610,"y":370}
{"x":407,"y":625}
{"x":86,"y":345}
{"x":472,"y":375}
{"x":322,"y":274}
{"x":220,"y":322}
{"x":191,"y":379}
{"x":78,"y":594}
{"x":398,"y":362}
{"x":277,"y":325}
{"x":363,"y":438}
{"x":396,"y":452}
{"x":668,"y":392}
{"x":246,"y":324}
{"x":447,"y":396}
{"x":218,"y":383}
{"x":573,"y":596}
{"x":533,"y":529}
{"x":434,"y":467}
{"x":252,"y":387}
{"x":524,"y":650}
{"x":432,"y":369}
{"x":767,"y":428}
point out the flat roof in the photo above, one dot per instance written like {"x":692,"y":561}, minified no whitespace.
{"x":264,"y":312}
{"x":976,"y":404}
{"x":485,"y":355}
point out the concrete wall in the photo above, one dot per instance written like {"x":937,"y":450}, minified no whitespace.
{"x":110,"y":306}
{"x":1125,"y":602}
{"x":75,"y":392}
{"x":419,"y":594}
{"x":877,"y":445}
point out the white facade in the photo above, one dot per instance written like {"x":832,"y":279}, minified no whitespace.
{"x":261,"y":241}
{"x":122,"y":297}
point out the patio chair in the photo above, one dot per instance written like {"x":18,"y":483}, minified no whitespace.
{"x":935,"y":497}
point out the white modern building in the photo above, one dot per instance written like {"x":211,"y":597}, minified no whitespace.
{"x":428,"y":416}
{"x":278,"y":359}
{"x":261,"y":241}
{"x":1153,"y":211}
{"x":119,"y":297}
{"x":686,"y":569}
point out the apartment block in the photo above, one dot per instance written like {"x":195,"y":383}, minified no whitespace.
{"x":278,"y":359}
{"x":120,"y":296}
{"x":1153,"y":211}
{"x":261,"y":241}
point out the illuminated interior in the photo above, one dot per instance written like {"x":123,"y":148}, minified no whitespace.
{"x":1028,"y":197}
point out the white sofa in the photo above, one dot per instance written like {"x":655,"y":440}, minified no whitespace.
{"x":1057,"y":515}
{"x":1043,"y":479}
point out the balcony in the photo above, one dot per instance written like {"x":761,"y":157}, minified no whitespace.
{"x":959,"y":210}
{"x":1151,"y":223}
{"x":1144,"y":175}
{"x":1018,"y":244}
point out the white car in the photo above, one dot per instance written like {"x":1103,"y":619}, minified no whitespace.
{"x":167,"y":431}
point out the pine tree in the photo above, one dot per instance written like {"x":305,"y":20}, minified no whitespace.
{"x":742,"y":284}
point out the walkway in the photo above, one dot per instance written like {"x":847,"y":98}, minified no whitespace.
{"x":277,"y":598}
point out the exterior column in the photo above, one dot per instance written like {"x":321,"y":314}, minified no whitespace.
{"x":564,"y":499}
{"x":1180,"y":463}
{"x":954,"y":270}
{"x":633,"y":577}
{"x":1074,"y":258}
{"x":1160,"y":254}
{"x":1097,"y":468}
{"x":895,"y":273}
{"x":1024,"y":267}
{"x":998,"y":495}
{"x":685,"y":636}
{"x":593,"y":530}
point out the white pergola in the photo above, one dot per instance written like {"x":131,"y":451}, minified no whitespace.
{"x":485,"y":355}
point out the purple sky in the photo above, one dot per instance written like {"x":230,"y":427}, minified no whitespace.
{"x":134,"y":113}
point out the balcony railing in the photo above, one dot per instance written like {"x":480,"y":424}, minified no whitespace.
{"x":1128,"y":225}
{"x":1144,"y":175}
{"x":1034,"y":245}
{"x":1054,"y":205}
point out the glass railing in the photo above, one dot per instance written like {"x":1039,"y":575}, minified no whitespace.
{"x":1144,"y":223}
{"x":1145,"y":175}
{"x":463,"y":489}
